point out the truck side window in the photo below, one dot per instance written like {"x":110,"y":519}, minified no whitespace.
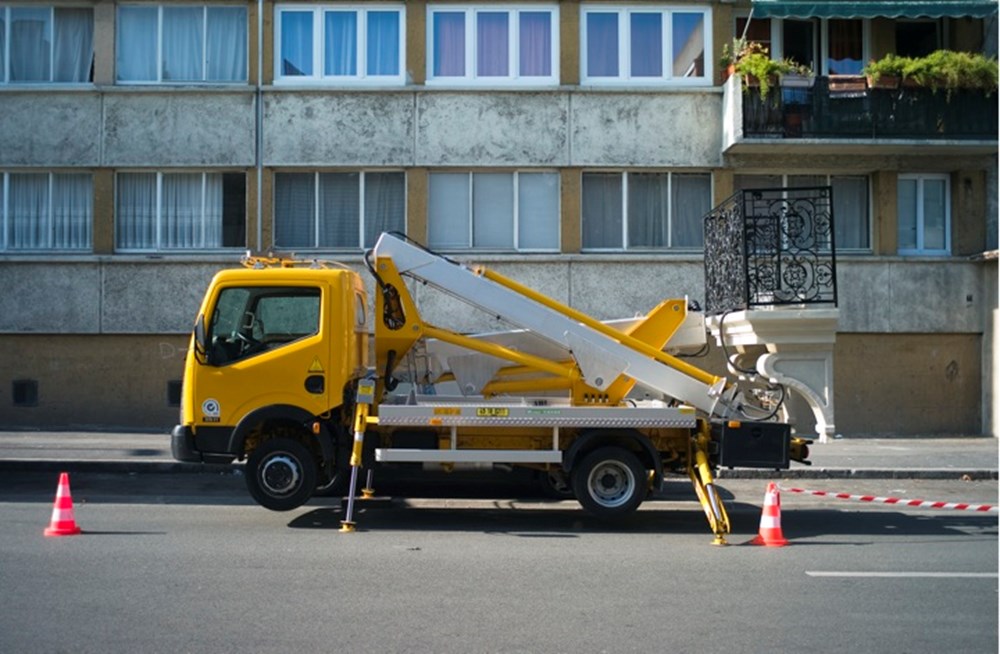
{"x":248,"y":321}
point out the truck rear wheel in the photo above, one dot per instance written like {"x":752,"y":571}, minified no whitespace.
{"x":609,"y":482}
{"x":281,"y":474}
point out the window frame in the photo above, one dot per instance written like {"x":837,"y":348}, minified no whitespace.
{"x":159,"y":45}
{"x":316,"y":230}
{"x":514,"y":77}
{"x":667,"y":78}
{"x":5,"y":224}
{"x":159,"y":248}
{"x":515,"y":216}
{"x":624,"y":246}
{"x":5,"y":58}
{"x":319,"y":76}
{"x":920,"y":249}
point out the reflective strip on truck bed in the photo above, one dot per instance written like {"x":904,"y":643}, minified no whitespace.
{"x":519,"y":415}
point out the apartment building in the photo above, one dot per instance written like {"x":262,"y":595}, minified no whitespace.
{"x":574,"y":146}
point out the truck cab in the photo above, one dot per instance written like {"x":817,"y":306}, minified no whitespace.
{"x":274,"y":356}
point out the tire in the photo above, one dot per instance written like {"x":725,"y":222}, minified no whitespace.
{"x":281,"y":474}
{"x":610,"y":482}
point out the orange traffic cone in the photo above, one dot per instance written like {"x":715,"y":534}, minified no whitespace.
{"x":63,"y":523}
{"x":770,"y":520}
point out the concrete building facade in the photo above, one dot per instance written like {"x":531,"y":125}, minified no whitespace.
{"x":573,"y":146}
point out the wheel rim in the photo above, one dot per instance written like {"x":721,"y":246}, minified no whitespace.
{"x":611,"y":483}
{"x":280,"y":475}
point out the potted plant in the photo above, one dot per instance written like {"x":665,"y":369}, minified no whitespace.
{"x":731,"y":53}
{"x":951,"y":71}
{"x":886,"y":73}
{"x":799,"y":76}
{"x":758,"y":69}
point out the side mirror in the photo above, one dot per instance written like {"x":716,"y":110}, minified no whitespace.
{"x":200,"y":338}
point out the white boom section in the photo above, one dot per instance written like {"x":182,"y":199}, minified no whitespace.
{"x":600,"y":358}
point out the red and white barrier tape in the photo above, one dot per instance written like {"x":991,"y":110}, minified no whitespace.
{"x":916,"y":504}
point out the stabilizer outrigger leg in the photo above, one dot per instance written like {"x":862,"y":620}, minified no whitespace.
{"x":365,"y":396}
{"x":704,"y":484}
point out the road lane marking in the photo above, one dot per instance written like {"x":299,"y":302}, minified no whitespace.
{"x":935,"y":575}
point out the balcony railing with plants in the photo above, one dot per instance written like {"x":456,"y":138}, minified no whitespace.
{"x":944,"y":96}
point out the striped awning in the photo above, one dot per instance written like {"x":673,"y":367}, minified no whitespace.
{"x":873,"y":8}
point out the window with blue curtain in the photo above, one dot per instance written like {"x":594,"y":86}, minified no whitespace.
{"x":181,"y":44}
{"x":46,"y":211}
{"x":340,"y":44}
{"x":646,"y":45}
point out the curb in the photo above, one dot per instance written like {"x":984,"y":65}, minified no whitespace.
{"x":177,"y":467}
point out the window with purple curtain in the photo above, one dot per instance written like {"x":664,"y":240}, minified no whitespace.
{"x":536,"y":43}
{"x":602,"y":44}
{"x":646,"y":45}
{"x":492,"y":44}
{"x":449,"y":44}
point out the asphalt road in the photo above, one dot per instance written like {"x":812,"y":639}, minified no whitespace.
{"x":185,"y":563}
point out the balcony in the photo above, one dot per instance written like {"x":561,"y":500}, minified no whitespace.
{"x":843,"y":117}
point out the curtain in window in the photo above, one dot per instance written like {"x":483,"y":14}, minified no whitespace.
{"x":692,"y":199}
{"x":180,"y":211}
{"x":648,"y":210}
{"x":72,"y":211}
{"x":74,"y":44}
{"x":135,"y":219}
{"x":28,"y":211}
{"x":646,"y":44}
{"x":295,"y":210}
{"x":492,"y":43}
{"x":602,"y":44}
{"x":3,"y":46}
{"x":339,"y":210}
{"x":182,"y":43}
{"x":906,"y":220}
{"x":935,"y":214}
{"x":493,"y":210}
{"x":137,"y":43}
{"x":846,"y":47}
{"x":341,"y":48}
{"x":689,"y":44}
{"x":30,"y":44}
{"x":535,"y":43}
{"x":602,"y":210}
{"x":296,"y":43}
{"x":383,"y":43}
{"x":448,"y":218}
{"x":226,"y":46}
{"x":449,"y":44}
{"x":850,"y":212}
{"x":385,"y":205}
{"x":538,"y":211}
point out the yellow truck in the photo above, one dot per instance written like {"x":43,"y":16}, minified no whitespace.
{"x":280,"y":374}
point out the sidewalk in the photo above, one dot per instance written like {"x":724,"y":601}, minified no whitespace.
{"x":863,"y":458}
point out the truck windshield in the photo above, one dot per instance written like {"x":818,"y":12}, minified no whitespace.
{"x":250,"y":320}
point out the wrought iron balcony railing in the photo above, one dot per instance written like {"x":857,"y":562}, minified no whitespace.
{"x":839,"y":110}
{"x":769,"y":247}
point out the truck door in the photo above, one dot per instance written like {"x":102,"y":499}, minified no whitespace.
{"x":265,"y":346}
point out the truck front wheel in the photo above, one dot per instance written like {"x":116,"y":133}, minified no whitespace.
{"x":609,"y":482}
{"x":281,"y":474}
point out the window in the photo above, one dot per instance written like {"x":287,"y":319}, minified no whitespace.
{"x":337,"y":210}
{"x":645,"y":210}
{"x":180,"y":211}
{"x":46,"y":211}
{"x":340,"y":44}
{"x":828,"y":46}
{"x":493,"y":45}
{"x":46,"y":44}
{"x":646,"y":45}
{"x":496,"y":211}
{"x":851,"y":204}
{"x":249,"y":321}
{"x":917,"y":38}
{"x":845,"y":50}
{"x":924,"y":214}
{"x":182,"y":44}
